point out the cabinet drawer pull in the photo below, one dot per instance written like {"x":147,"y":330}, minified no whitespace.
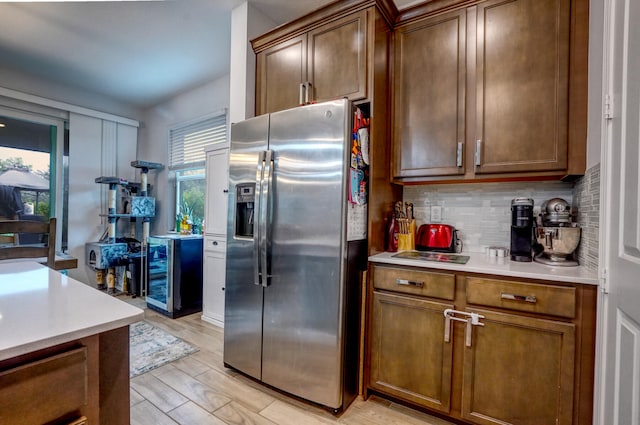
{"x":514,"y":297}
{"x":215,"y":243}
{"x":410,"y":282}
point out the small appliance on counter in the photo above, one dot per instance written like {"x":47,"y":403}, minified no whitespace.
{"x":438,"y":237}
{"x":558,"y":237}
{"x":522,"y":229}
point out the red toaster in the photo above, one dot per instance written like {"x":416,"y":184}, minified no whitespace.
{"x":436,"y":237}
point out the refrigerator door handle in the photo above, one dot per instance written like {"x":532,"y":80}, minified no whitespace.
{"x":266,"y":186}
{"x":257,"y":227}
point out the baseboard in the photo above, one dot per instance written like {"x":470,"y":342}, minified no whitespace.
{"x":212,"y":320}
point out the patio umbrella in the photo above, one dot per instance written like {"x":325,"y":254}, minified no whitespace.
{"x":24,"y":180}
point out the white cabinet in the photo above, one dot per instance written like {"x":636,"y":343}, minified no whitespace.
{"x":217,"y":186}
{"x":215,"y":240}
{"x":213,"y":280}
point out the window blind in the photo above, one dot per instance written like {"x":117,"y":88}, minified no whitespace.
{"x":187,"y":142}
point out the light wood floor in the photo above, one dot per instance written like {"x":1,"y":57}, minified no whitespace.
{"x":198,"y":389}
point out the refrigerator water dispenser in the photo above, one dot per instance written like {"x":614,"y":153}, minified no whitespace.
{"x":244,"y":209}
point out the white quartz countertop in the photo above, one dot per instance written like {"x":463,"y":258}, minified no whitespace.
{"x":481,"y":263}
{"x":40,"y":308}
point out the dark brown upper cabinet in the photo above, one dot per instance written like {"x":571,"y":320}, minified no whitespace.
{"x":429,"y":96}
{"x":522,"y":85}
{"x":327,"y":62}
{"x":495,"y":90}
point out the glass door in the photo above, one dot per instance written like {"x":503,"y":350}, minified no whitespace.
{"x":159,"y":273}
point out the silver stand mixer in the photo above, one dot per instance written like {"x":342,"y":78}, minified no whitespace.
{"x":558,"y":236}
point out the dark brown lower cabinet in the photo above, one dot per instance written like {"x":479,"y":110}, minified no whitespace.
{"x":409,"y":358}
{"x":527,"y":360}
{"x":519,"y":370}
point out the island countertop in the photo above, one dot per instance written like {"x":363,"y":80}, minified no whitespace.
{"x":40,"y":308}
{"x":481,"y":263}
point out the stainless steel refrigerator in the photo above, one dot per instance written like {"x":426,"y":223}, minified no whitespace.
{"x":292,"y":296}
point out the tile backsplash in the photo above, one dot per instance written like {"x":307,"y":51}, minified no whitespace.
{"x":586,"y":200}
{"x":482,"y":212}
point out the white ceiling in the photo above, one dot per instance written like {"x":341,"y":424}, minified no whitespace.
{"x":137,"y":52}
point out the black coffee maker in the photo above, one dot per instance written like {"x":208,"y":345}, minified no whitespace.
{"x":521,"y":229}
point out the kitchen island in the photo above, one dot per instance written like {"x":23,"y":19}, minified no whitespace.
{"x":64,"y":349}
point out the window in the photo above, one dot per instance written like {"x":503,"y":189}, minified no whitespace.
{"x":34,"y":154}
{"x":187,"y":143}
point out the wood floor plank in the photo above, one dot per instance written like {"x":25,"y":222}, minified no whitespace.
{"x":279,"y":395}
{"x":157,"y":392}
{"x":236,"y":414}
{"x":418,"y":418}
{"x":203,"y":395}
{"x":134,"y":397}
{"x":374,"y":413}
{"x":214,"y":360}
{"x":232,"y":398}
{"x":253,"y":399}
{"x":191,"y":366}
{"x":146,"y":413}
{"x":191,"y":413}
{"x":283,"y":413}
{"x":203,"y":340}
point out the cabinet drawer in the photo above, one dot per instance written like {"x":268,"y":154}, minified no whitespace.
{"x":44,"y":390}
{"x":428,"y":284}
{"x":212,"y":243}
{"x":535,"y":298}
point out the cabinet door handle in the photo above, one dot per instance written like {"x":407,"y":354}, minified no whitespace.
{"x":307,"y":96}
{"x":448,"y":317}
{"x":302,"y":88}
{"x":514,"y":297}
{"x":472,"y":319}
{"x":447,"y":327}
{"x":459,"y":154}
{"x":225,"y":191}
{"x":478,"y":152}
{"x":410,"y":283}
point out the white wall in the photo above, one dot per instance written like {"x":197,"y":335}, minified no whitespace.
{"x":153,"y":145}
{"x":246,"y":23}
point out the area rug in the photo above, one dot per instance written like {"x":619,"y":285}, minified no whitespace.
{"x":151,"y":347}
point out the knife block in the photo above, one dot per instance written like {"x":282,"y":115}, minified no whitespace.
{"x":407,"y":241}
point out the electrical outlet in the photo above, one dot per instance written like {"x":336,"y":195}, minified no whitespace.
{"x":436,"y":214}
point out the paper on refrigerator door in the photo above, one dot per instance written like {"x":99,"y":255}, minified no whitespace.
{"x":356,"y":222}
